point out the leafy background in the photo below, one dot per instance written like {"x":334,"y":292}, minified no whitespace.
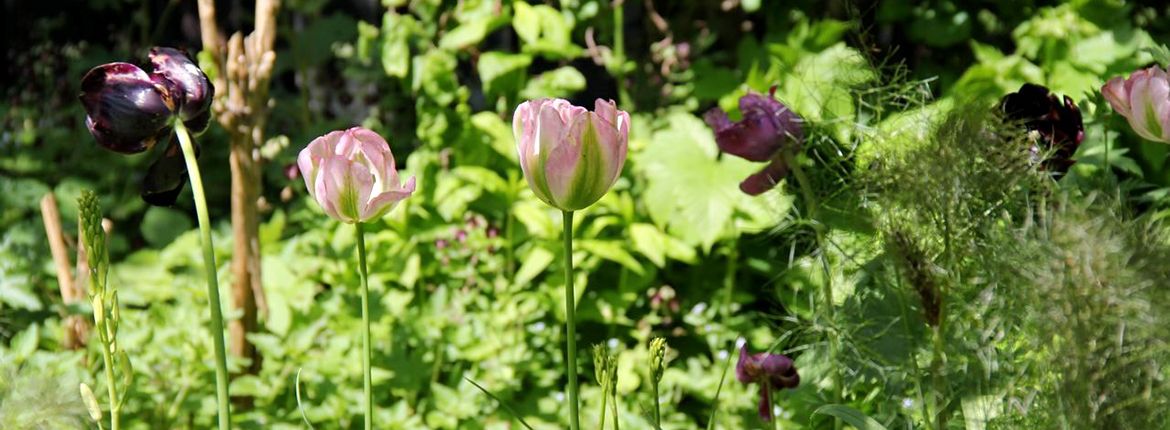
{"x":468,"y":274}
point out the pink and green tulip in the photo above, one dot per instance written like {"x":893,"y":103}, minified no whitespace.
{"x":1144,"y":100}
{"x":352,"y":175}
{"x":570,"y":156}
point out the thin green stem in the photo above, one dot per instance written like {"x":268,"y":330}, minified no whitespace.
{"x":111,"y":386}
{"x":367,"y":381}
{"x":771,"y":404}
{"x":619,"y":54}
{"x":571,"y":321}
{"x":813,"y":208}
{"x":604,"y":397}
{"x":657,"y":406}
{"x":614,"y":404}
{"x":937,"y":379}
{"x":217,"y":335}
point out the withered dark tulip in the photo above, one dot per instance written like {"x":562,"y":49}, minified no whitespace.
{"x":769,"y":371}
{"x":189,"y":87}
{"x":130,"y":111}
{"x":1056,"y":121}
{"x":766,"y":129}
{"x":126,"y":110}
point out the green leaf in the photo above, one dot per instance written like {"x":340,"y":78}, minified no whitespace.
{"x":649,"y":242}
{"x":502,"y":72}
{"x":559,"y":83}
{"x":612,"y":251}
{"x":396,"y":30}
{"x":162,"y":225}
{"x":24,"y":344}
{"x":534,"y":263}
{"x":851,"y":416}
{"x":469,"y":33}
{"x":690,"y":191}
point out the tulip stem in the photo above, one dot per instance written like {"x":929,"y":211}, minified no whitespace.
{"x":571,"y":321}
{"x":812,"y":206}
{"x":366,"y":376}
{"x":221,"y":373}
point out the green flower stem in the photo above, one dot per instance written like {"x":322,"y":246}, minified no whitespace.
{"x":810,"y":200}
{"x":771,"y":404}
{"x":657,"y":406}
{"x":604,"y":398}
{"x":571,"y":321}
{"x":221,"y":373}
{"x":366,"y":376}
{"x":619,"y":53}
{"x":111,"y":385}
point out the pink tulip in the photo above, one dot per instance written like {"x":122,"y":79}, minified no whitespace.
{"x":352,"y":176}
{"x":1144,"y":100}
{"x":569,"y":155}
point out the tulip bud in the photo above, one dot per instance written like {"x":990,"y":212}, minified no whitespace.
{"x":351,"y":174}
{"x":766,"y":128}
{"x":1144,"y":100}
{"x":187,"y":85}
{"x":570,"y":156}
{"x":127,"y":111}
{"x":769,"y":371}
{"x":1054,"y":125}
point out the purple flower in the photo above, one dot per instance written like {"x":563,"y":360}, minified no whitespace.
{"x":1057,"y":123}
{"x":769,"y":371}
{"x":767,"y":128}
{"x":130,"y":111}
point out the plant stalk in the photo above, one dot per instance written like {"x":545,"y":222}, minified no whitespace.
{"x":571,"y":321}
{"x":619,"y":53}
{"x":221,"y":373}
{"x":810,"y":200}
{"x":367,"y":381}
{"x":111,"y":388}
{"x":657,"y":406}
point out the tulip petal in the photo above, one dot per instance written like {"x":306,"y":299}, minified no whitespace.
{"x":310,"y":159}
{"x":165,"y":178}
{"x":1148,"y":100}
{"x":343,"y":188}
{"x":382,"y":203}
{"x":766,"y":179}
{"x":126,"y":111}
{"x":1114,"y":92}
{"x":187,"y":84}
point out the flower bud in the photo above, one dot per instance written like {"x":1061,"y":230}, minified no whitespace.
{"x":352,"y":176}
{"x":187,"y":85}
{"x":769,"y":371}
{"x":767,"y":127}
{"x":570,"y":156}
{"x":126,"y":110}
{"x":1144,"y":100}
{"x":1056,"y":121}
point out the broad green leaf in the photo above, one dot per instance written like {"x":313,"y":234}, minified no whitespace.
{"x":851,"y":416}
{"x":558,"y":83}
{"x":649,"y":242}
{"x":160,"y":226}
{"x":612,"y":251}
{"x":396,"y":31}
{"x":469,"y":33}
{"x":25,"y":342}
{"x":501,"y":71}
{"x":690,"y":191}
{"x":534,"y":263}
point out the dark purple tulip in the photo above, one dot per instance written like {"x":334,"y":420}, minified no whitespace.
{"x":769,"y":371}
{"x":130,"y":111}
{"x":127,"y":111}
{"x":189,"y":87}
{"x":1057,"y":121}
{"x":767,"y":127}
